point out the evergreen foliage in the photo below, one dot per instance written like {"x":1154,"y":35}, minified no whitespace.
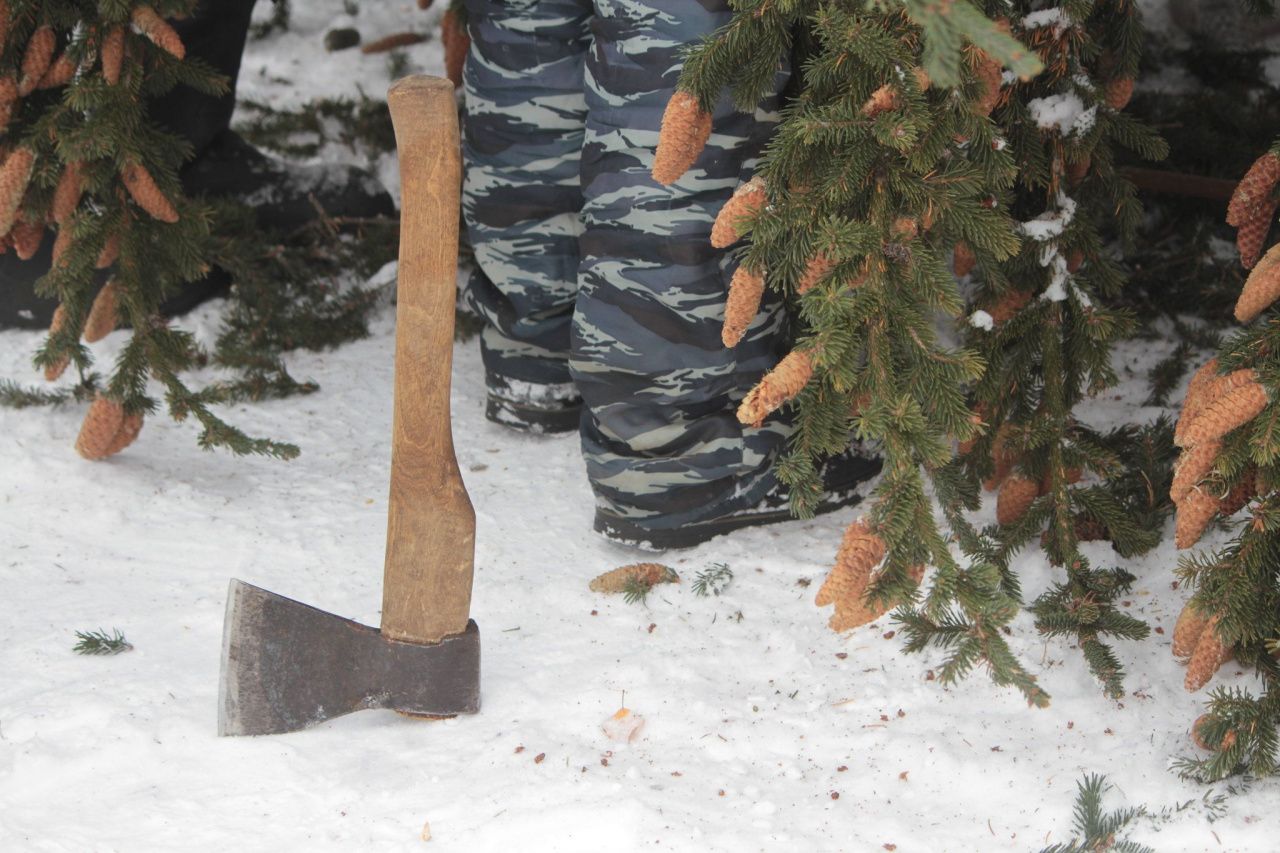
{"x":1096,"y":831}
{"x":99,"y":642}
{"x":879,"y":178}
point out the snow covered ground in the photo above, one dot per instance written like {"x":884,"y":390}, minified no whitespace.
{"x":766,"y":731}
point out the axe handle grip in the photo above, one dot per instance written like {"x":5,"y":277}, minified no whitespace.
{"x":430,"y":523}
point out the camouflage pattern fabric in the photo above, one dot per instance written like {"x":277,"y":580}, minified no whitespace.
{"x":592,"y":273}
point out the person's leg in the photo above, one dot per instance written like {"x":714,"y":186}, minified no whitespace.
{"x":521,"y":197}
{"x":662,"y":443}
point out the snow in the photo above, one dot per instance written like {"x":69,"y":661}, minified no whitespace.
{"x":1065,"y":113}
{"x":982,"y":320}
{"x":756,"y":714}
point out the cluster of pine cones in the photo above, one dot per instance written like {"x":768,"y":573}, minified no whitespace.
{"x":107,"y":428}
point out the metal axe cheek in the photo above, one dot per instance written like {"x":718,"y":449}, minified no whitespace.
{"x":286,"y":665}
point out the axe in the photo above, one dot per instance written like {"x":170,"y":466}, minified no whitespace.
{"x":286,"y":665}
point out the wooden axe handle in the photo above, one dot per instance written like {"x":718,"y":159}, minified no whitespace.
{"x":431,"y":527}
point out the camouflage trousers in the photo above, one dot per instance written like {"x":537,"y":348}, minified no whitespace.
{"x":593,"y":279}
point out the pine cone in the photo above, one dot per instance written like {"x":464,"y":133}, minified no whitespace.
{"x":685,"y":131}
{"x":777,"y":387}
{"x":1194,"y":514}
{"x":1010,"y":303}
{"x":815,"y":271}
{"x":5,"y":20}
{"x":101,"y":425}
{"x":1261,"y":288}
{"x":854,"y":612}
{"x":60,"y":73}
{"x":1245,"y":490}
{"x":1194,"y":400}
{"x":102,"y":317}
{"x":1016,"y":496}
{"x":15,"y":175}
{"x":1193,"y":465}
{"x":617,"y":580}
{"x":457,"y":44}
{"x":110,"y":251}
{"x":882,"y":100}
{"x":36,"y":59}
{"x":1187,"y":630}
{"x":157,"y":29}
{"x":424,"y":4}
{"x":1252,"y":235}
{"x":742,"y":305}
{"x":113,"y":55}
{"x":55,"y":370}
{"x":66,"y":198}
{"x":61,"y":244}
{"x":1118,"y":92}
{"x":977,"y":418}
{"x":747,"y":200}
{"x":990,"y":77}
{"x":9,"y":90}
{"x":142,"y":187}
{"x":1228,"y":739}
{"x":1209,"y":656}
{"x":27,"y":237}
{"x":1077,"y":170}
{"x":963,"y":260}
{"x":1003,"y":456}
{"x":1254,"y":190}
{"x":860,"y":552}
{"x":1230,"y":411}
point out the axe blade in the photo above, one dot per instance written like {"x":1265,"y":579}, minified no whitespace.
{"x":287,"y":665}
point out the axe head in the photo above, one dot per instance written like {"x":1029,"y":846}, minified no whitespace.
{"x":287,"y":666}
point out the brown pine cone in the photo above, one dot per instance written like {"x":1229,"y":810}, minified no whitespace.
{"x":55,"y":370}
{"x":8,"y":90}
{"x":978,"y":419}
{"x":1187,"y":630}
{"x":1261,"y":288}
{"x":1195,"y":512}
{"x":110,"y":251}
{"x":1241,"y":493}
{"x":113,"y":55}
{"x":742,"y":305}
{"x":102,"y":316}
{"x":747,"y":200}
{"x":1228,"y":739}
{"x":1008,"y":305}
{"x":1252,"y":235}
{"x":685,"y":131}
{"x":854,"y":612}
{"x":143,"y":189}
{"x":66,"y":198}
{"x":157,"y":29}
{"x":1228,"y":412}
{"x":1254,"y":190}
{"x":60,"y":245}
{"x":60,"y":72}
{"x":1118,"y":92}
{"x":815,"y":271}
{"x":963,"y":260}
{"x":882,"y":100}
{"x":1209,"y":656}
{"x":1077,"y":170}
{"x":990,"y":77}
{"x":104,"y":430}
{"x":860,"y":552}
{"x":424,"y":4}
{"x":617,"y":580}
{"x":15,"y":175}
{"x":5,"y":20}
{"x":27,"y":237}
{"x":1004,"y":456}
{"x":1016,"y":496}
{"x":778,"y":386}
{"x":457,"y":44}
{"x":36,"y":59}
{"x":1193,"y":465}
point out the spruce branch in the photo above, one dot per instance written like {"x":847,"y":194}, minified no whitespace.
{"x":99,"y":642}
